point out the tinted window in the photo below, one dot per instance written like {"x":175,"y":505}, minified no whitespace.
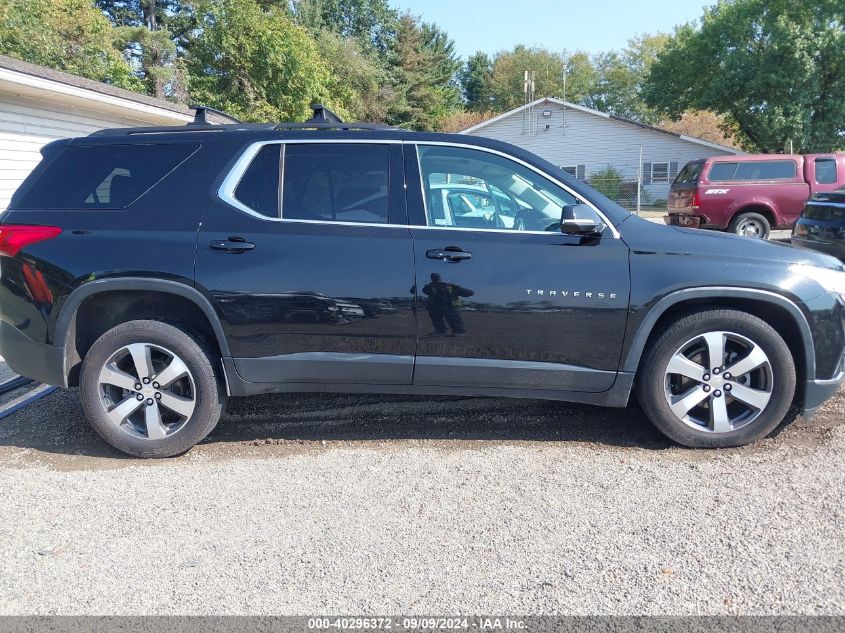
{"x":689,"y":174}
{"x":825,"y":171}
{"x":337,"y":182}
{"x":469,"y":188}
{"x":765,"y":170}
{"x":722,"y":171}
{"x":100,"y":177}
{"x":259,"y":187}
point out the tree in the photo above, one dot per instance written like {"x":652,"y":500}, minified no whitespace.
{"x":68,"y":35}
{"x":426,"y":89}
{"x":507,"y":78}
{"x":476,"y":79}
{"x":357,"y":79}
{"x":372,"y":22}
{"x":142,"y":31}
{"x":773,"y":68}
{"x":704,"y":125}
{"x":256,"y":64}
{"x":620,"y":76}
{"x":460,"y":120}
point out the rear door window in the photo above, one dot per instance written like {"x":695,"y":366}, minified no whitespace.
{"x":100,"y":176}
{"x":336,"y":182}
{"x":259,"y":186}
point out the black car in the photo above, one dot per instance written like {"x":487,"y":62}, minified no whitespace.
{"x":163,"y":270}
{"x":822,"y":224}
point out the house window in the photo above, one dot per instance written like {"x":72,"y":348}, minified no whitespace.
{"x":660,"y":172}
{"x":572,"y":170}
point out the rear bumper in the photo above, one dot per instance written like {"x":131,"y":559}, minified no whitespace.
{"x":42,"y":363}
{"x":691,"y":220}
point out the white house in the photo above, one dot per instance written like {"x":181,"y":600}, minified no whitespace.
{"x":585,"y":142}
{"x":39,"y":105}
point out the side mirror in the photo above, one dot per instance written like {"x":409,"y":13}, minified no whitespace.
{"x":579,"y":219}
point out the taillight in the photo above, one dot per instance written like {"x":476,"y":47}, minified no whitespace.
{"x":14,"y":237}
{"x":696,"y":200}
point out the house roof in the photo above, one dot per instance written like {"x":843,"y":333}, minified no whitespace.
{"x":604,"y":115}
{"x":11,"y":68}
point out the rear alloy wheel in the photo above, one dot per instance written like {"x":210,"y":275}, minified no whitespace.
{"x":150,"y":390}
{"x":751,"y":225}
{"x":147,"y":391}
{"x":719,"y":378}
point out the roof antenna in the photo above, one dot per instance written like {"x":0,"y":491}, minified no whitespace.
{"x":200,"y":117}
{"x":323,"y":115}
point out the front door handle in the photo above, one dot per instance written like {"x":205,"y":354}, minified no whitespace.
{"x":232,"y":245}
{"x":453,"y":254}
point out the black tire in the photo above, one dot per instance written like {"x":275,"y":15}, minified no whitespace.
{"x":743,"y":219}
{"x":652,"y":378}
{"x":207,"y":392}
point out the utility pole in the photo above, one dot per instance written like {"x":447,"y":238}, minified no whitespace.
{"x":564,"y":98}
{"x":639,"y":180}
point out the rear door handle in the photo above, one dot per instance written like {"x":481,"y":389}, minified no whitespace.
{"x":453,"y":254}
{"x":232,"y":245}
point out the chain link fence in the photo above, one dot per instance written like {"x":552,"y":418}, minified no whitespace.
{"x":644,"y":190}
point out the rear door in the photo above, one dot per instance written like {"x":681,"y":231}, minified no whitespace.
{"x":505,"y":300}
{"x":307,"y":256}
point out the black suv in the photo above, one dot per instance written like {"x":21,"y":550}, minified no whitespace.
{"x":162,"y":270}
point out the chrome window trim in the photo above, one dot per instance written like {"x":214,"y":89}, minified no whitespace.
{"x":226,"y":191}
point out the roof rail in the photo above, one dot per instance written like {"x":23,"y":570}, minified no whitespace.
{"x":322,"y":119}
{"x":201,"y":111}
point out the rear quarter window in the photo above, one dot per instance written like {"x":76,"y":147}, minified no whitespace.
{"x":766,"y":170}
{"x":752,"y":170}
{"x":689,"y":174}
{"x":99,"y":176}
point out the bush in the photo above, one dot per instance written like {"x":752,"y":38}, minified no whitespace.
{"x":607,"y":181}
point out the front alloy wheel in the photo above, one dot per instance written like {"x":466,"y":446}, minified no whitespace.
{"x":719,"y":382}
{"x":717,"y":378}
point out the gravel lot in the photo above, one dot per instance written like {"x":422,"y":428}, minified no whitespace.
{"x":309,"y":504}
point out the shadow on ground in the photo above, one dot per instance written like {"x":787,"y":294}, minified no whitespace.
{"x":56,"y":425}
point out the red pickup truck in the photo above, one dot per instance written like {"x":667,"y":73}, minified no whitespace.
{"x":751,"y":194}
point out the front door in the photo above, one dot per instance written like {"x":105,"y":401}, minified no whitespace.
{"x":504,"y":298}
{"x":311,"y":279}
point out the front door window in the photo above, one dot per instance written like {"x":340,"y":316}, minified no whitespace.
{"x":467,"y":188}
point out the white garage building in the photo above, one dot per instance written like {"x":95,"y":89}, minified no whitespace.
{"x":586,"y":143}
{"x":39,"y":105}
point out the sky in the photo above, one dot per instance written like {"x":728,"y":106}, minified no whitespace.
{"x":589,"y":25}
